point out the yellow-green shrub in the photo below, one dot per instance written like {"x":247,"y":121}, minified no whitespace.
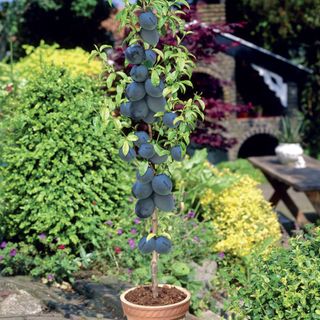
{"x":76,"y":61}
{"x":242,"y":218}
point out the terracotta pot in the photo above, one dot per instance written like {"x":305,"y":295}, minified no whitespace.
{"x":175,"y":311}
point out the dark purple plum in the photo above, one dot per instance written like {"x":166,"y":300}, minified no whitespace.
{"x":148,"y":20}
{"x":129,"y":157}
{"x":135,"y":54}
{"x":142,"y":190}
{"x":176,"y":153}
{"x":143,"y":137}
{"x":151,"y":37}
{"x":156,"y":104}
{"x":139,"y":73}
{"x":146,"y":246}
{"x":139,"y":109}
{"x":162,"y":184}
{"x":168,"y":119}
{"x":164,"y":203}
{"x":150,"y":118}
{"x":156,"y":159}
{"x":163,"y":245}
{"x":147,"y":177}
{"x":125,"y":109}
{"x":146,"y":151}
{"x":135,"y":91}
{"x":151,"y":58}
{"x":154,"y":91}
{"x":144,"y":208}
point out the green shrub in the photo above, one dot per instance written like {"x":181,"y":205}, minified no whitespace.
{"x":243,"y":167}
{"x":62,"y":175}
{"x":284,"y":285}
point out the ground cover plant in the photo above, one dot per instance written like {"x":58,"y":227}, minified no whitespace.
{"x":154,"y":132}
{"x":282,"y":285}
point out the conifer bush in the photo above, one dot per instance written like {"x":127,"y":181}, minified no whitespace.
{"x":63,"y":176}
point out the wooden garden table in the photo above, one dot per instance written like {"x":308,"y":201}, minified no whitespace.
{"x":282,"y":177}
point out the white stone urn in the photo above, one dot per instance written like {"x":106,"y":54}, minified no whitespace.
{"x":290,"y":154}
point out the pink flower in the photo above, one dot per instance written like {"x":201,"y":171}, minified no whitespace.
{"x":221,"y":255}
{"x":42,"y":236}
{"x":133,"y":231}
{"x":3,"y":245}
{"x":137,"y":221}
{"x":13,"y":252}
{"x":50,"y":277}
{"x":117,"y":250}
{"x":120,"y":232}
{"x":131,"y":243}
{"x":1,"y":258}
{"x":109,"y":223}
{"x":61,"y":247}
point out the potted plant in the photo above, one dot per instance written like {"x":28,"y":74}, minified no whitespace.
{"x":289,"y":151}
{"x":155,"y":125}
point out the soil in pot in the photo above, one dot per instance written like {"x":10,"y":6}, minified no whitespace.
{"x":167,"y":295}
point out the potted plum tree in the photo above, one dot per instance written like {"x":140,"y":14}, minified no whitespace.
{"x":155,"y":125}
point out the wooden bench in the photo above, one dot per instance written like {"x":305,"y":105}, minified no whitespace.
{"x":282,"y":177}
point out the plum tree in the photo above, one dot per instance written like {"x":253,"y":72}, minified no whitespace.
{"x":125,"y":109}
{"x":154,"y":91}
{"x":148,"y":20}
{"x":151,"y":57}
{"x":156,"y":159}
{"x":146,"y":151}
{"x":143,"y":137}
{"x":146,"y":177}
{"x":177,"y":153}
{"x":135,"y":54}
{"x":156,"y":104}
{"x":135,"y":91}
{"x":145,"y":208}
{"x":142,"y":190}
{"x":164,"y":203}
{"x":147,"y":246}
{"x":162,"y":184}
{"x":163,"y":245}
{"x":139,"y":73}
{"x":131,"y":155}
{"x":139,"y":109}
{"x":151,"y":37}
{"x":168,"y":119}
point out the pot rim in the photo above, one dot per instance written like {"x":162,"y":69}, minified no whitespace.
{"x":138,"y":306}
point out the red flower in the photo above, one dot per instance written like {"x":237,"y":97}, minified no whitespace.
{"x":61,"y":246}
{"x":117,"y":250}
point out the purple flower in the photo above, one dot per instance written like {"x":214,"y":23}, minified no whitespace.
{"x":133,"y":231}
{"x":3,"y":244}
{"x":137,"y":221}
{"x":1,"y":257}
{"x":50,"y":277}
{"x":196,"y":238}
{"x":221,"y":255}
{"x":13,"y":252}
{"x":119,"y":232}
{"x":129,"y":271}
{"x":191,"y":215}
{"x":42,"y":236}
{"x":131,"y":243}
{"x":109,"y":223}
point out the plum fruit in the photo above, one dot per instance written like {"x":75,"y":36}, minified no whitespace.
{"x":156,"y":159}
{"x":151,"y":37}
{"x":142,"y":190}
{"x":146,"y":246}
{"x":125,"y":109}
{"x":148,"y":20}
{"x":163,"y":245}
{"x":151,"y":57}
{"x":129,"y":157}
{"x":135,"y":91}
{"x":147,"y":177}
{"x":135,"y":54}
{"x":150,"y":118}
{"x":146,"y":151}
{"x":139,"y":109}
{"x":162,"y":184}
{"x":143,"y":137}
{"x":168,"y":119}
{"x":176,"y":153}
{"x":144,"y":208}
{"x":139,"y":73}
{"x":156,"y":104}
{"x":164,"y":203}
{"x":154,"y":91}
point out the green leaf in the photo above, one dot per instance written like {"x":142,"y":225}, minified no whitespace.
{"x":110,"y":80}
{"x":125,"y":147}
{"x":155,"y":79}
{"x":180,"y":269}
{"x":143,"y":167}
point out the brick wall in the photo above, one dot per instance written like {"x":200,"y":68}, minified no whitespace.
{"x":212,"y":13}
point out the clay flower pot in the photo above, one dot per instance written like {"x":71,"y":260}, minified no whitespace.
{"x":175,"y":311}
